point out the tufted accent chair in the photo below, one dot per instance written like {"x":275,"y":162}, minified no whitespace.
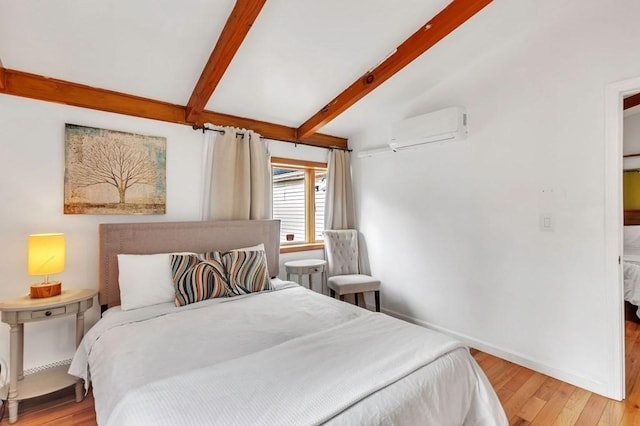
{"x":341,"y":250}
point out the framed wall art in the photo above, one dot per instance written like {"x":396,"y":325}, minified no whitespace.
{"x":112,"y":172}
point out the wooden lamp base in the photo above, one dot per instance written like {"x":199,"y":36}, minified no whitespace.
{"x":38,"y":291}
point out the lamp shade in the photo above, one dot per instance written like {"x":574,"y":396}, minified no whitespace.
{"x":46,"y":254}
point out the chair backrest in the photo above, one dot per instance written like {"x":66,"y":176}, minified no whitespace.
{"x":341,"y":249}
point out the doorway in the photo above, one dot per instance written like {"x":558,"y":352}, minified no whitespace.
{"x":631,"y":237}
{"x":613,"y":226}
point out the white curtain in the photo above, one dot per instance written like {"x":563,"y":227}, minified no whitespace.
{"x":237,"y":176}
{"x":339,"y":212}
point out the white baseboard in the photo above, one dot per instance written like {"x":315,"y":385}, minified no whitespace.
{"x":566,"y":376}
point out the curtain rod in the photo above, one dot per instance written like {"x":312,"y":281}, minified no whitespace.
{"x":222,"y":132}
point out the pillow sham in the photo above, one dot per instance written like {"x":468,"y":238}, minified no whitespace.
{"x":247,"y":271}
{"x":196,"y":279}
{"x":145,"y":279}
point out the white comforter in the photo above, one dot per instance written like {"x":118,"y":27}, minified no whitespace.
{"x":285,"y":357}
{"x":632,"y":284}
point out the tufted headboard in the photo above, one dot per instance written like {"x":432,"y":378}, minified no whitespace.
{"x":168,"y":237}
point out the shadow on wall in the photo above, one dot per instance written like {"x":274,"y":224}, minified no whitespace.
{"x":365,"y":266}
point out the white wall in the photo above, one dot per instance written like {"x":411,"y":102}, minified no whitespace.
{"x":31,"y":193}
{"x":453,"y":230}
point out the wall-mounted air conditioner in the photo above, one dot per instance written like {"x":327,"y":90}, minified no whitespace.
{"x":445,"y":125}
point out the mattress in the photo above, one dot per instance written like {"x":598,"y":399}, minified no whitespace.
{"x":289,"y":356}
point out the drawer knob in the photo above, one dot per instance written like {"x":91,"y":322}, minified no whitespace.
{"x":47,"y":314}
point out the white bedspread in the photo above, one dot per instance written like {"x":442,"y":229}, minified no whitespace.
{"x":632,"y":284}
{"x":284,"y":357}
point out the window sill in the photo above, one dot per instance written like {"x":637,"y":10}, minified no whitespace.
{"x":293,"y":248}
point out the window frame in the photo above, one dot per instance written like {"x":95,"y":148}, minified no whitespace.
{"x":309,"y":168}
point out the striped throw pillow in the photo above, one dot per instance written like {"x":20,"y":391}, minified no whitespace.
{"x":246,"y":272}
{"x":196,"y":279}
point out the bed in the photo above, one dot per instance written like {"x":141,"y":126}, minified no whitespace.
{"x":283,"y":356}
{"x":631,"y":271}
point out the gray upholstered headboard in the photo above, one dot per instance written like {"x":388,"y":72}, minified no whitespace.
{"x":167,"y":237}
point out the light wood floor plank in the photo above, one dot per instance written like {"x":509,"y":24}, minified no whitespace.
{"x":612,"y":414}
{"x":554,"y":405}
{"x":531,"y":408}
{"x":547,"y":390}
{"x":524,"y":394}
{"x":593,"y":410}
{"x":572,"y":409}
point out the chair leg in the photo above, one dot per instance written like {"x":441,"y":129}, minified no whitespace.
{"x":332,"y":293}
{"x":342,"y":297}
{"x":356,"y":296}
{"x":377,"y":295}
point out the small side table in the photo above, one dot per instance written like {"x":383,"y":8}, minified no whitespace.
{"x":307,"y":267}
{"x":16,"y":313}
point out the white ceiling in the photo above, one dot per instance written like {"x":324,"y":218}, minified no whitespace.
{"x":298,"y":56}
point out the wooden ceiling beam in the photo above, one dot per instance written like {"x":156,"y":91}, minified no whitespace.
{"x":242,"y":17}
{"x":631,"y":101}
{"x":18,"y":83}
{"x":444,"y":23}
{"x":3,"y":78}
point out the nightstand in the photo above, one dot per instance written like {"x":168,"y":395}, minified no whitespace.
{"x":16,"y":313}
{"x":307,"y":267}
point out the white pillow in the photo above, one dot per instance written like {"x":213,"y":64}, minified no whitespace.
{"x":145,"y":279}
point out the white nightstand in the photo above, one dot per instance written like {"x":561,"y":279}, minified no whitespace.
{"x":307,"y":267}
{"x":16,"y":313}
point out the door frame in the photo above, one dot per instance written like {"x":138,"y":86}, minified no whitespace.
{"x":613,"y":226}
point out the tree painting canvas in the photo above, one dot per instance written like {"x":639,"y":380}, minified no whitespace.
{"x":111,"y":172}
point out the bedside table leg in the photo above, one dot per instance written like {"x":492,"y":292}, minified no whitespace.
{"x":20,"y":354}
{"x":79,"y":328}
{"x":79,"y":334}
{"x":13,"y":411}
{"x":79,"y":391}
{"x":14,"y":355}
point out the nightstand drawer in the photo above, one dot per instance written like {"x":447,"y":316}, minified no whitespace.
{"x":45,"y":313}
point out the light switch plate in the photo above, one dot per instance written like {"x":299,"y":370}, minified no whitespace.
{"x":547,"y":222}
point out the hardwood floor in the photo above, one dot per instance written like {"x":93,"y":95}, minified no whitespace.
{"x":56,"y":409}
{"x":529,"y":398}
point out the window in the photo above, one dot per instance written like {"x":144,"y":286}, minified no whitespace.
{"x":299,"y":189}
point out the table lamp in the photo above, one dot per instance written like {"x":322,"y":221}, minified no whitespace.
{"x":46,"y":256}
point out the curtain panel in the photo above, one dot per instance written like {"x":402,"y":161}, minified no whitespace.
{"x":339,"y":212}
{"x":236,"y":176}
